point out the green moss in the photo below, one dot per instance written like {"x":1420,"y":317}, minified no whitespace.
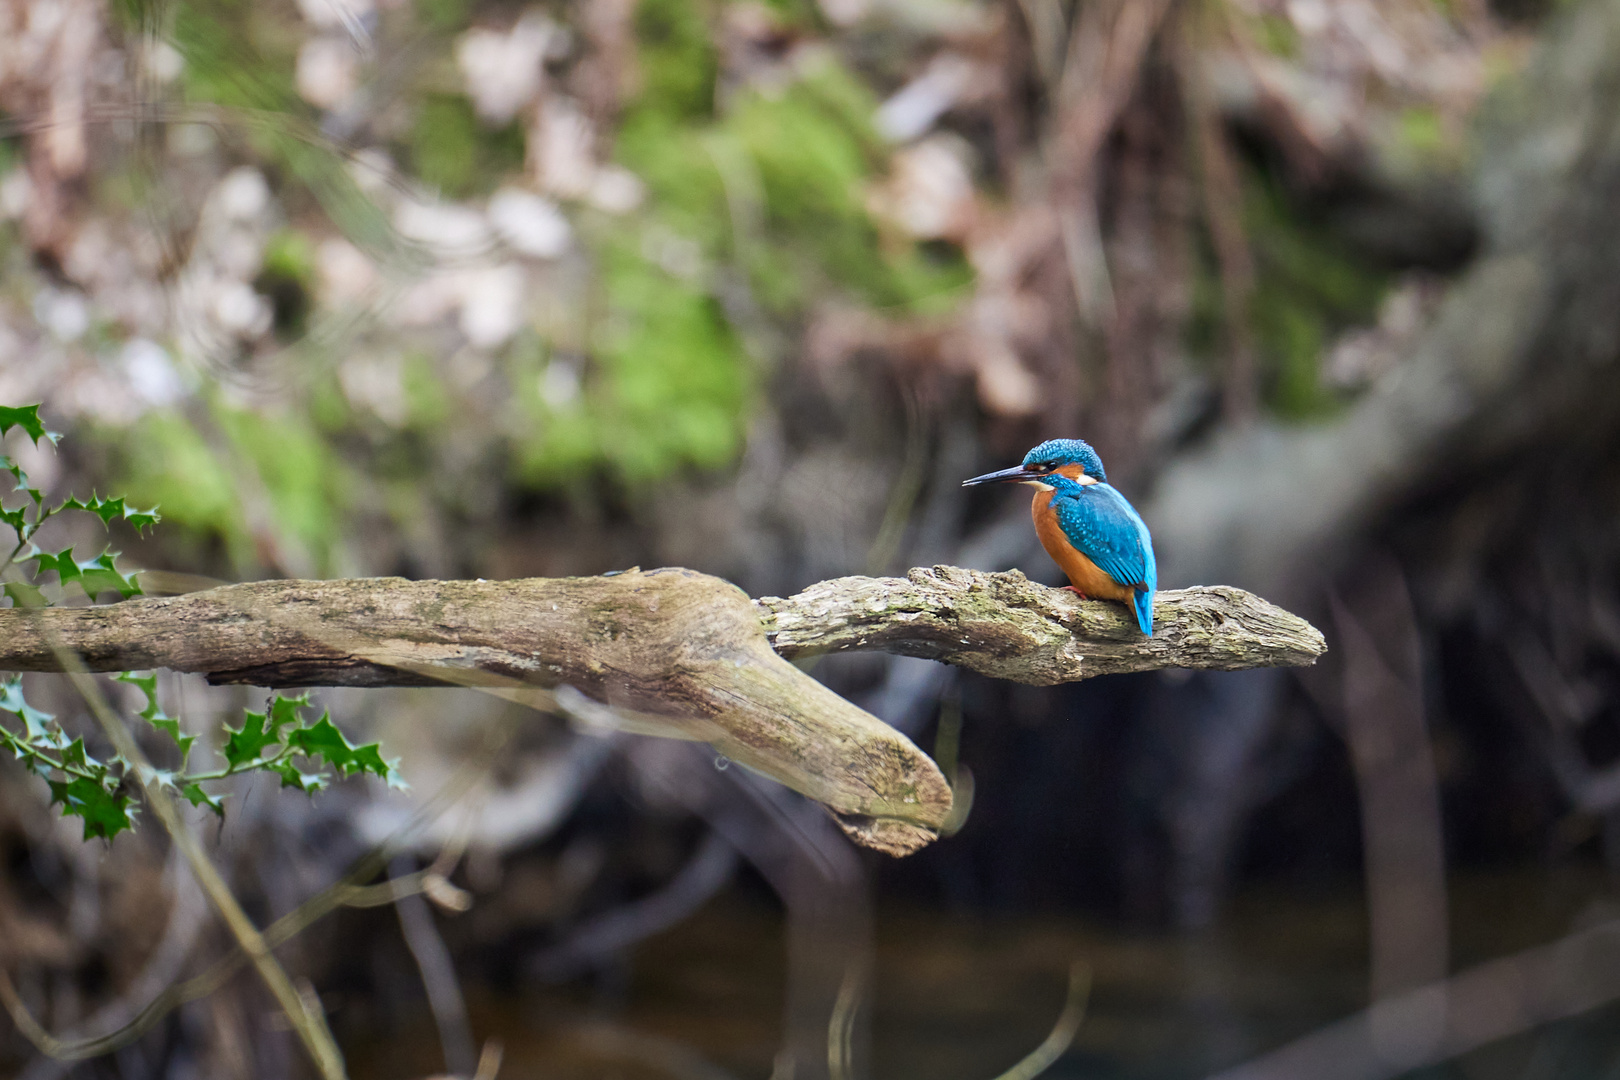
{"x":1277,"y":35}
{"x":680,"y":173}
{"x":802,"y":14}
{"x":1423,"y":133}
{"x":445,"y":16}
{"x":427,"y":398}
{"x":667,"y":384}
{"x":166,"y":461}
{"x":676,"y":57}
{"x":451,"y":150}
{"x":235,"y":56}
{"x":304,"y":480}
{"x":164,"y":458}
{"x":327,"y":408}
{"x":667,"y":389}
{"x":815,"y":153}
{"x":290,"y":254}
{"x":1309,"y":287}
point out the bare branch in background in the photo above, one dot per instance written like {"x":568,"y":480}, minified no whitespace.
{"x":438,"y":970}
{"x":708,"y":871}
{"x":187,"y":918}
{"x":1400,"y":811}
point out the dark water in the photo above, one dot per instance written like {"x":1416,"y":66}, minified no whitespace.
{"x":963,"y":999}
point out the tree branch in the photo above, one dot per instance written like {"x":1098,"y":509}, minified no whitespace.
{"x":1008,"y":627}
{"x":674,"y":652}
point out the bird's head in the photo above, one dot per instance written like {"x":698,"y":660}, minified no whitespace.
{"x":1072,"y":458}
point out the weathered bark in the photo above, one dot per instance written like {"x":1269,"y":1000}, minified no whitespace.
{"x":1008,"y":627}
{"x":678,"y":652}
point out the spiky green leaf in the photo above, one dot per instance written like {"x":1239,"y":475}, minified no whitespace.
{"x":95,"y":576}
{"x":153,"y":714}
{"x":198,"y":797}
{"x":74,"y":753}
{"x":100,"y":574}
{"x":323,"y":740}
{"x":245,"y":745}
{"x":27,"y":418}
{"x":106,"y":813}
{"x":291,"y":776}
{"x":60,"y":561}
{"x":20,"y":479}
{"x":108,"y":509}
{"x":37,"y":723}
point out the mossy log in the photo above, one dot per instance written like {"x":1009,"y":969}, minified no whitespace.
{"x":676,"y":652}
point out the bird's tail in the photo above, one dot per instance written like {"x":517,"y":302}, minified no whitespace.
{"x":1144,"y":610}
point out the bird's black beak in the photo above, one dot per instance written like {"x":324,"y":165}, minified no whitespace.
{"x":1014,"y":474}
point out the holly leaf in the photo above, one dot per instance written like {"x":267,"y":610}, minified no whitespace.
{"x":284,"y":710}
{"x":27,"y":418}
{"x":291,"y":776}
{"x":154,"y":715}
{"x":12,"y":701}
{"x":61,"y":561}
{"x":107,"y":509}
{"x":140,"y":519}
{"x":198,"y":797}
{"x":105,"y":813}
{"x":322,"y":739}
{"x":17,"y":519}
{"x":95,"y":576}
{"x":99,"y":575}
{"x":20,"y":479}
{"x":245,"y":745}
{"x":74,"y":754}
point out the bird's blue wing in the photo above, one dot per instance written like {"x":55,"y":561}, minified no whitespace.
{"x":1106,"y":529}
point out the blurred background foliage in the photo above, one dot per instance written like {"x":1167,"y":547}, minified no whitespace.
{"x":591,"y":237}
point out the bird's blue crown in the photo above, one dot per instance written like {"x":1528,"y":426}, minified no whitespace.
{"x":1060,"y":452}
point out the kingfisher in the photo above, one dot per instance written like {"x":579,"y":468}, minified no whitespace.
{"x":1086,"y":525}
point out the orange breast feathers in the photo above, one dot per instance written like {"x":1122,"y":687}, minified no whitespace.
{"x":1083,"y":574}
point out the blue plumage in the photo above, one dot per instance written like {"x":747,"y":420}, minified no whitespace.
{"x":1056,"y":452}
{"x":1106,"y":529}
{"x":1095,"y":521}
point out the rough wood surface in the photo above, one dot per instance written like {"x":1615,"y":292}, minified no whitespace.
{"x":674,"y":651}
{"x":1008,"y":627}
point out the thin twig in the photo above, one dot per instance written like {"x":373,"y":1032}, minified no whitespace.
{"x":445,"y":1000}
{"x":345,"y":892}
{"x":306,"y":1021}
{"x":841,"y":1028}
{"x":1068,"y":1023}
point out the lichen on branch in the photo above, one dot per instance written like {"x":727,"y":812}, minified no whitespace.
{"x":1008,"y":627}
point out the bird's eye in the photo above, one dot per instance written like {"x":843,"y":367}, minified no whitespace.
{"x":1040,"y":467}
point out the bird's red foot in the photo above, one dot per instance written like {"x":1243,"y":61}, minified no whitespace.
{"x":1077,"y":592}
